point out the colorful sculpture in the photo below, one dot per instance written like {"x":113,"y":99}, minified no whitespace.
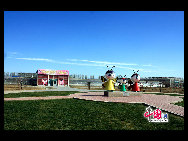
{"x":135,"y":78}
{"x":109,"y":81}
{"x":122,"y":84}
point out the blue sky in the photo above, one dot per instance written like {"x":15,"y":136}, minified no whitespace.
{"x":84,"y":42}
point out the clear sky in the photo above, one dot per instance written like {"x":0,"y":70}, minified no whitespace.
{"x":85,"y":42}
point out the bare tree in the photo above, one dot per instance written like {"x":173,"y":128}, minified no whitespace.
{"x":82,"y":76}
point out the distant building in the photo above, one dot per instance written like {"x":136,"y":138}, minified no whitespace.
{"x":165,"y":81}
{"x":27,"y":75}
{"x":52,"y":77}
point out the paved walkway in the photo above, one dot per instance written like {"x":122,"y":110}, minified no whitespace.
{"x":163,"y":102}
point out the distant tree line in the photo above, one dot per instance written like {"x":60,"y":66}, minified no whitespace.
{"x":19,"y":74}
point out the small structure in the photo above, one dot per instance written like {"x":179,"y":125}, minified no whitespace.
{"x":52,"y":77}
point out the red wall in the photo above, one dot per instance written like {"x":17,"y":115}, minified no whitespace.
{"x":65,"y":79}
{"x":45,"y":77}
{"x":40,"y":77}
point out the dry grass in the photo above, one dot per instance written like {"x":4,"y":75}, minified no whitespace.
{"x":10,"y":87}
{"x":91,"y":87}
{"x":148,"y":89}
{"x":164,"y":90}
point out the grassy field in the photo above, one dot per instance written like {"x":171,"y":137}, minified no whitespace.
{"x":180,"y":103}
{"x":74,"y":114}
{"x":170,"y":94}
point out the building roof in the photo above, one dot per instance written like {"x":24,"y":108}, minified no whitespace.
{"x":52,"y":72}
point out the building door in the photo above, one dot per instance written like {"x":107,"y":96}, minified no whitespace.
{"x":55,"y":82}
{"x":51,"y":82}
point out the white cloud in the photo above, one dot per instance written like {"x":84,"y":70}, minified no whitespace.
{"x":36,"y":59}
{"x":93,"y":64}
{"x":129,"y":68}
{"x":60,"y":62}
{"x":149,"y":65}
{"x":104,"y":62}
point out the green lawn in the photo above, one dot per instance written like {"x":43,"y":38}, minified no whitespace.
{"x":180,"y":103}
{"x":74,"y":114}
{"x":165,"y":94}
{"x":39,"y":94}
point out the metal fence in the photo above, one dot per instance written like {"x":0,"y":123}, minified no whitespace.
{"x":25,"y":81}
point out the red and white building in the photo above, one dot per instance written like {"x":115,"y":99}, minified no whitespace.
{"x":52,"y":77}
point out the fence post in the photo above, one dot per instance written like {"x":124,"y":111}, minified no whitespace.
{"x":88,"y":83}
{"x":21,"y":84}
{"x":160,"y":87}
